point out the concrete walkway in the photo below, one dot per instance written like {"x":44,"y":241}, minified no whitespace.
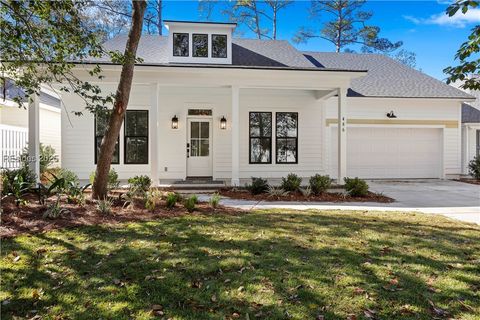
{"x":452,"y":199}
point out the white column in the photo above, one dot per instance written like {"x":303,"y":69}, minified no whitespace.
{"x":153,"y":125}
{"x":34,"y":135}
{"x":342,"y":134}
{"x":235,"y":127}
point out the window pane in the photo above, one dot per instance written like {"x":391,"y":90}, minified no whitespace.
{"x":286,"y":150}
{"x":116,"y":153}
{"x":137,"y":150}
{"x":194,"y":148}
{"x":194,"y":129}
{"x":287,"y":124}
{"x":260,"y":124}
{"x":101,"y":122}
{"x":180,"y":44}
{"x":200,"y":45}
{"x":219,"y":46}
{"x":136,"y":123}
{"x":204,"y":148}
{"x":260,"y":150}
{"x":204,"y":130}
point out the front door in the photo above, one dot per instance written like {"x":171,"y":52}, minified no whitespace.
{"x":199,"y":148}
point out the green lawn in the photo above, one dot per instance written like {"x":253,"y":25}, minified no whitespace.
{"x":262,"y":265}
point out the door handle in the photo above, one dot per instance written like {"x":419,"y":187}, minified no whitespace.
{"x":188,"y":153}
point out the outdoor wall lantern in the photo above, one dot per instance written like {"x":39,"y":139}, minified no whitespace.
{"x":175,"y":122}
{"x":223,"y":123}
{"x":391,"y":115}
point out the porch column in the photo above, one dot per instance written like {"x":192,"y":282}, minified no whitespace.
{"x":235,"y":125}
{"x":342,"y":134}
{"x":34,"y":135}
{"x":153,"y":124}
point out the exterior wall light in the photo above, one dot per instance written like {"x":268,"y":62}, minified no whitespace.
{"x":175,"y":122}
{"x":223,"y":123}
{"x":391,"y":115}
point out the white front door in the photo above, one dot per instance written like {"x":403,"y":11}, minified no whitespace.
{"x":199,"y":148}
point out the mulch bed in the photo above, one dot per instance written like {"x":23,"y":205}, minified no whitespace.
{"x":296,"y":196}
{"x":29,"y":218}
{"x":469,"y":180}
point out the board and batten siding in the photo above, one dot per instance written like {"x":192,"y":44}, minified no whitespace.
{"x":420,"y":113}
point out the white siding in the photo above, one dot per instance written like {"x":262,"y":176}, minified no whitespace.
{"x":469,"y":141}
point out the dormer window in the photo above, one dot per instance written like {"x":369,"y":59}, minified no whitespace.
{"x":180,"y":44}
{"x":219,"y":46}
{"x":200,"y":45}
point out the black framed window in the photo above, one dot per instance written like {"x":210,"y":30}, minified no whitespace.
{"x":100,"y":124}
{"x":260,"y":131}
{"x":219,"y":45}
{"x":200,"y":45}
{"x":478,"y":143}
{"x":136,"y":137}
{"x":180,"y":45}
{"x":286,"y":137}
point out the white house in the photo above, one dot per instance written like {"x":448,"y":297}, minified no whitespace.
{"x":14,"y":123}
{"x":205,"y":104}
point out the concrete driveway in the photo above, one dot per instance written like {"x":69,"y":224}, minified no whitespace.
{"x":457,"y":200}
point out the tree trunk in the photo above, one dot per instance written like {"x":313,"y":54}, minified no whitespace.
{"x":274,"y":23}
{"x":159,"y":17}
{"x":122,"y":96}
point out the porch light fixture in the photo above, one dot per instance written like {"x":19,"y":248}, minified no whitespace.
{"x":223,"y":123}
{"x":175,"y":122}
{"x":391,"y":115}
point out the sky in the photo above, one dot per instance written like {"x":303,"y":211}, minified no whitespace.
{"x":421,"y":25}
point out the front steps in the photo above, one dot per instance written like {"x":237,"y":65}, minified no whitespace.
{"x":195,"y":185}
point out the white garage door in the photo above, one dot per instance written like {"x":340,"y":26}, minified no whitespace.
{"x":391,"y":153}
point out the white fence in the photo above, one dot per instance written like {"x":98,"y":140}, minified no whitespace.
{"x":12,"y":142}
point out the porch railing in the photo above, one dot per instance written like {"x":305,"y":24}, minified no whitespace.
{"x":12,"y":142}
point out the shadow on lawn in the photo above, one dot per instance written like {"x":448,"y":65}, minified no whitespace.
{"x":269,"y":265}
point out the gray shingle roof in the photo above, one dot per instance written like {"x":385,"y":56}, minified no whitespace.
{"x":470,"y":114}
{"x":386,"y":77}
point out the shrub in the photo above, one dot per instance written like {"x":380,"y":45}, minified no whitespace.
{"x":25,"y":175}
{"x":276,"y":192}
{"x":140,"y":184}
{"x":190,"y":203}
{"x":75,"y":193}
{"x":47,"y":157}
{"x":113,"y":182}
{"x":18,"y":188}
{"x":214,"y":200}
{"x":104,"y":206}
{"x":319,"y":184}
{"x":356,"y":187}
{"x":55,"y":210}
{"x":474,"y":167}
{"x":291,"y":182}
{"x":69,"y":176}
{"x":306,"y":192}
{"x":44,"y":192}
{"x":152,"y":198}
{"x":258,"y":186}
{"x":171,"y":199}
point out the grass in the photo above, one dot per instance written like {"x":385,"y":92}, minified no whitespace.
{"x":260,"y":265}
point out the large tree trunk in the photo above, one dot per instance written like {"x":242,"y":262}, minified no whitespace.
{"x":121,"y":102}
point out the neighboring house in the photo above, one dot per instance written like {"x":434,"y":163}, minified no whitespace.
{"x":204,"y":104}
{"x":14,"y":123}
{"x":470,"y":128}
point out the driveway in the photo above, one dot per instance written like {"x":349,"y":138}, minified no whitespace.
{"x":449,"y":198}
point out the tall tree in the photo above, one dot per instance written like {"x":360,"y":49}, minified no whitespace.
{"x":260,"y":17}
{"x":347,"y":26}
{"x":122,"y":96}
{"x":467,"y":54}
{"x":153,"y":17}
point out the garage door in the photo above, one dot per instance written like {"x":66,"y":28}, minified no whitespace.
{"x":387,"y":153}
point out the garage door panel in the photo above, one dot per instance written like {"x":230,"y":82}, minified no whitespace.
{"x":391,"y":152}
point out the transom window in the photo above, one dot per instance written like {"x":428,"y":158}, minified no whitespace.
{"x":286,"y":137}
{"x":219,"y":45}
{"x":199,"y":139}
{"x":200,"y":45}
{"x":136,"y":137}
{"x":180,"y":44}
{"x":260,"y":128}
{"x":101,"y":124}
{"x":199,"y":112}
